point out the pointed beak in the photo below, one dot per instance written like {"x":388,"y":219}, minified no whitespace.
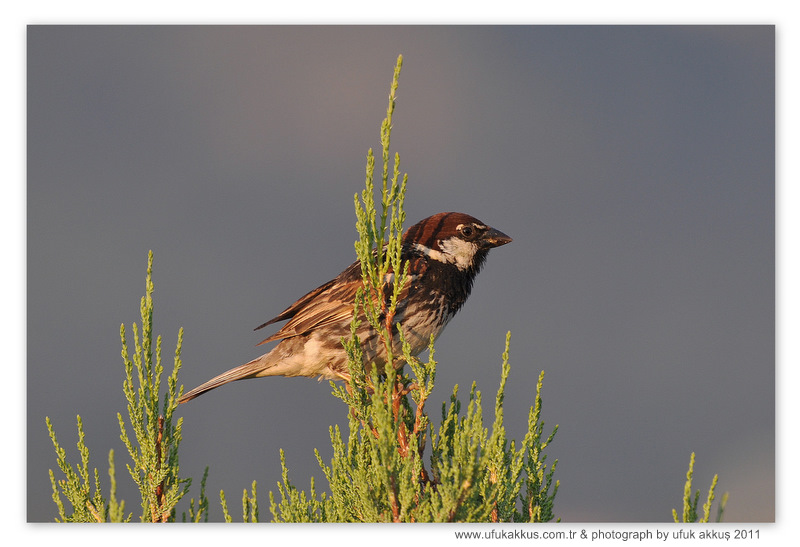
{"x":494,"y":238}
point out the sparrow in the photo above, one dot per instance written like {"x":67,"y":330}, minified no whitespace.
{"x":444,"y":253}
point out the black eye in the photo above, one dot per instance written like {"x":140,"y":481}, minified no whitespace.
{"x":467,"y":231}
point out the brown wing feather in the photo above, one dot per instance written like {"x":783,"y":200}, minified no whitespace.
{"x":328,"y":303}
{"x":293,"y":309}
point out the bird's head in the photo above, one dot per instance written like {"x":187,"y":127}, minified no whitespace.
{"x":454,"y":238}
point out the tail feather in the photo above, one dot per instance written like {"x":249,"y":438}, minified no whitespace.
{"x":247,"y":370}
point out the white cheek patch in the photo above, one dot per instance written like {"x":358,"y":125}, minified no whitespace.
{"x":459,"y":252}
{"x":430,"y":253}
{"x":454,"y":251}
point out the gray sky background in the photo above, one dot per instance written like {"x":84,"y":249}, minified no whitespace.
{"x":633,"y":166}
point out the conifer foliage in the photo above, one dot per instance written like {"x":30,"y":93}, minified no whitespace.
{"x":390,"y":464}
{"x":379,"y":471}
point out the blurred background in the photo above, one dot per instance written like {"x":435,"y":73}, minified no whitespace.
{"x":634,"y":166}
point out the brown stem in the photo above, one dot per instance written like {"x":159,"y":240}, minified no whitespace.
{"x":464,"y":489}
{"x":402,"y":432}
{"x":388,"y":325}
{"x":395,"y":505}
{"x":93,"y":511}
{"x":156,"y":517}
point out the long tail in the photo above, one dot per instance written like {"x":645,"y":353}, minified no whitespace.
{"x":247,"y":370}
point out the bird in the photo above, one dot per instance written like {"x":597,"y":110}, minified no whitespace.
{"x":444,"y":252}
